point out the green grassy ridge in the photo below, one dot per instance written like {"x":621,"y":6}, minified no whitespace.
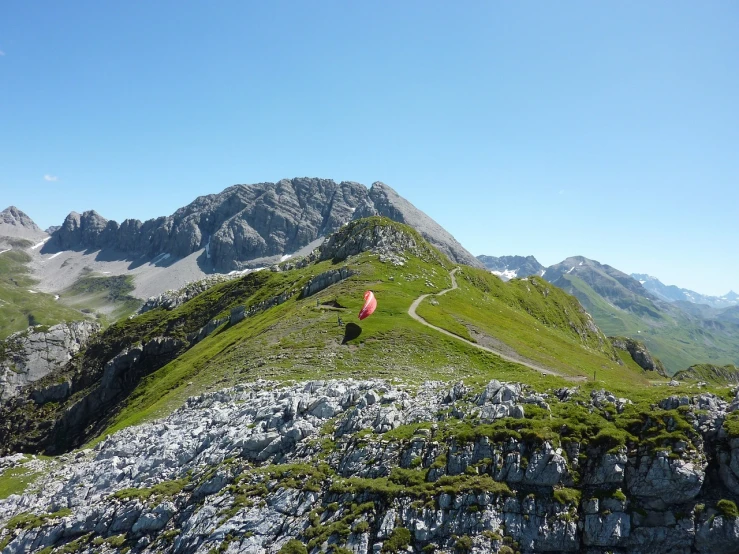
{"x":709,"y":373}
{"x":20,"y":308}
{"x":534,"y":318}
{"x":301,"y":340}
{"x":203,"y":364}
{"x":676,"y":339}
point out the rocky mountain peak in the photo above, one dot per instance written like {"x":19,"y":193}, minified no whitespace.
{"x":254,"y":225}
{"x":615,"y":286}
{"x":13,"y":216}
{"x":15,"y":223}
{"x":590,"y":270}
{"x":85,"y":230}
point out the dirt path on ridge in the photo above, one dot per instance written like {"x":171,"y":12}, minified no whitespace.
{"x":535,"y":367}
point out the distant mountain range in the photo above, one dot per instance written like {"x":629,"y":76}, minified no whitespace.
{"x":251,"y":226}
{"x":510,"y":267}
{"x":671,"y":293}
{"x":243,"y":227}
{"x":679,"y":330}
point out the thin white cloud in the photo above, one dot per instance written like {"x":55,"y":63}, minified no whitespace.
{"x":561,"y":192}
{"x":48,"y":177}
{"x":2,"y":53}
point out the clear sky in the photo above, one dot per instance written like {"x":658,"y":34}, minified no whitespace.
{"x":603,"y":129}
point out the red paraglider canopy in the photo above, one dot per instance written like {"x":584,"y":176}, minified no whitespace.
{"x":370,"y":304}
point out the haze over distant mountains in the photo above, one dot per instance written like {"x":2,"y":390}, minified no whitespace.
{"x":672,"y":293}
{"x":510,"y":267}
{"x":681,"y":329}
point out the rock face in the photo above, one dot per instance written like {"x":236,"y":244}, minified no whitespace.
{"x":245,"y":223}
{"x":509,"y":267}
{"x":27,"y":356}
{"x":367,"y":467}
{"x":324,"y":280}
{"x":16,"y":224}
{"x":639,"y":353}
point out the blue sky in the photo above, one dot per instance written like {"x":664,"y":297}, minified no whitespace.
{"x":603,"y":129}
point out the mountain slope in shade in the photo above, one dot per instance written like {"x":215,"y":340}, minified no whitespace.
{"x":672,"y":293}
{"x":246,"y":225}
{"x":729,"y":315}
{"x":510,"y":267}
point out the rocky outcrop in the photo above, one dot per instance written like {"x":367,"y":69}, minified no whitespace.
{"x":251,"y":222}
{"x":325,"y":280}
{"x":27,"y":356}
{"x":367,"y":467}
{"x":376,"y":235}
{"x":639,"y":353}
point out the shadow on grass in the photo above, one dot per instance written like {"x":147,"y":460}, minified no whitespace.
{"x":351,"y":332}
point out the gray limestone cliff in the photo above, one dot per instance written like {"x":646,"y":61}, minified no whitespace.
{"x":27,"y":356}
{"x":248,"y":223}
{"x":639,"y":353}
{"x":369,"y":467}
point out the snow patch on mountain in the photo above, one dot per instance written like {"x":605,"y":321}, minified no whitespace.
{"x":506,"y":275}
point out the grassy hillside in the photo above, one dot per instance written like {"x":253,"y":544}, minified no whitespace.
{"x":675,"y":337}
{"x":20,"y":304}
{"x":534,"y":319}
{"x":301,"y":339}
{"x":726,"y":375}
